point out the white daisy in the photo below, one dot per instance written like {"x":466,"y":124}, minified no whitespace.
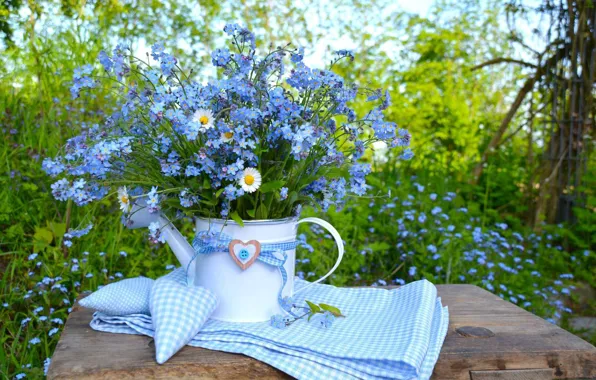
{"x":227,"y":136}
{"x":204,"y":118}
{"x":250,"y":180}
{"x":124,"y":199}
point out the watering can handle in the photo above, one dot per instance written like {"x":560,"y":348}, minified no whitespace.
{"x":338,"y":241}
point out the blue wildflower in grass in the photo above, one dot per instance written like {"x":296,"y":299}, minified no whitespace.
{"x":283,"y":193}
{"x":433,"y":197}
{"x":407,"y":154}
{"x":46,"y":365}
{"x":20,"y":376}
{"x":412,"y":271}
{"x":34,"y":341}
{"x":431,"y":248}
{"x":436,"y":210}
{"x":53,"y":331}
{"x":422,"y":218}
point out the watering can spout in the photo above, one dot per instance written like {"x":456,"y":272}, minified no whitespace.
{"x":141,"y":217}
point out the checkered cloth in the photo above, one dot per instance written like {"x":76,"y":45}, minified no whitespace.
{"x":129,"y":296}
{"x":386,"y":333}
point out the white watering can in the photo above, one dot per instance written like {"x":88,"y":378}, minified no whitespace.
{"x":244,"y":295}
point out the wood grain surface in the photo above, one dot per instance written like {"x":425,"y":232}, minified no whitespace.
{"x":521,"y":341}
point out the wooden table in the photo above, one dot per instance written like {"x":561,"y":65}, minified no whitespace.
{"x":506,"y":343}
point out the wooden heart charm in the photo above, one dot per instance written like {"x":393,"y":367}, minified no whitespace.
{"x":244,"y":254}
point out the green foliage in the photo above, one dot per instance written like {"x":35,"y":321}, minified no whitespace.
{"x":430,"y":227}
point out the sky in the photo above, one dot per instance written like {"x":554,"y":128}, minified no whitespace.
{"x":420,"y":7}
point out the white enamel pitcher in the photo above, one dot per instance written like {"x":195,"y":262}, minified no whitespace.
{"x":249,"y":295}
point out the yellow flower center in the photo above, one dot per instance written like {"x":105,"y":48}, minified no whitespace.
{"x":204,"y":119}
{"x":249,"y":180}
{"x":228,"y":135}
{"x":124,"y":199}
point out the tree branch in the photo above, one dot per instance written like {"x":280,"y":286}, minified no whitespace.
{"x":504,"y":60}
{"x":526,"y":88}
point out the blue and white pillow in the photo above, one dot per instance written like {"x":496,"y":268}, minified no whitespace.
{"x":129,"y":296}
{"x":178,"y":313}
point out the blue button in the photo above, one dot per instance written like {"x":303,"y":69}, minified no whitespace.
{"x":244,"y":254}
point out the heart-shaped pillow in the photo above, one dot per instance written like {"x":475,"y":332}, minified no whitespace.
{"x":129,"y":296}
{"x":178,"y":312}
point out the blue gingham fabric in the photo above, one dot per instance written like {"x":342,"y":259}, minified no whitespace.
{"x":394,"y":334}
{"x":129,"y":296}
{"x":178,"y":312}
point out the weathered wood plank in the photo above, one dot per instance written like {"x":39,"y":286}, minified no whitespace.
{"x":515,"y":374}
{"x":521,"y":341}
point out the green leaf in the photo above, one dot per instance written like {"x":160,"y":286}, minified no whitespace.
{"x":206,"y":184}
{"x":218,"y":192}
{"x":251,"y":213}
{"x":236,"y":218}
{"x":261,"y":212}
{"x":42,"y":237}
{"x":293,"y":197}
{"x":313,"y":307}
{"x":58,"y":229}
{"x":271,"y":186}
{"x":332,"y":309}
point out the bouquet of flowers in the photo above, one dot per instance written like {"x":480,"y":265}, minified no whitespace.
{"x":267,"y":137}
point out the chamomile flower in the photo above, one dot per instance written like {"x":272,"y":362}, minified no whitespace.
{"x":124,"y":199}
{"x":204,"y":118}
{"x":250,"y":180}
{"x":227,"y":136}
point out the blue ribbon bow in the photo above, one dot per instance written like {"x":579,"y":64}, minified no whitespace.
{"x":206,"y":242}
